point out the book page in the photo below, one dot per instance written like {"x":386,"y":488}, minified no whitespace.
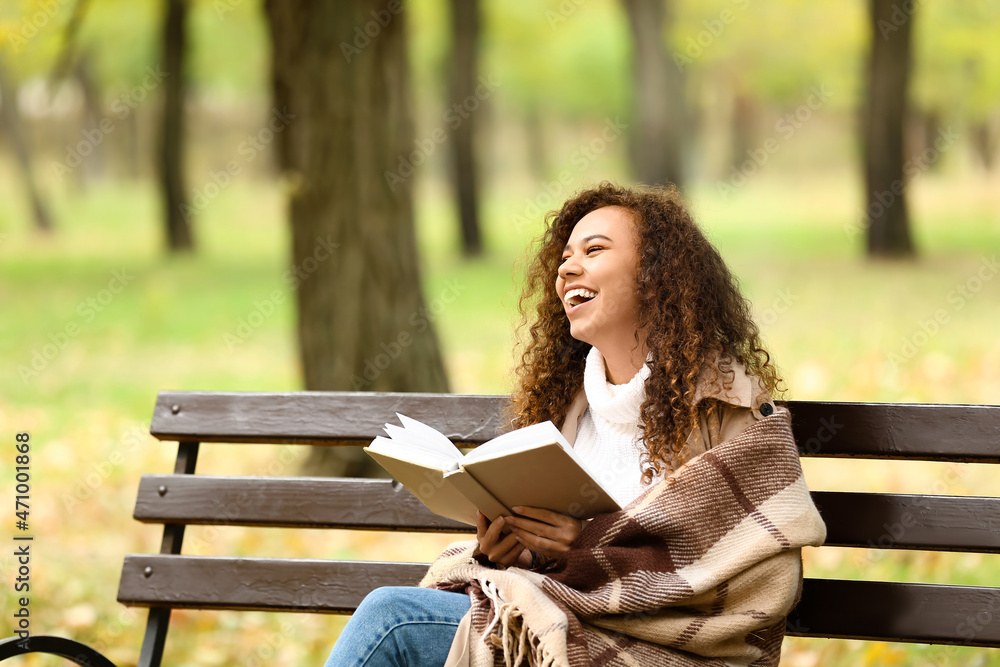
{"x":522,"y":438}
{"x":430,"y":435}
{"x":408,"y":451}
{"x":417,"y":440}
{"x":526,"y":438}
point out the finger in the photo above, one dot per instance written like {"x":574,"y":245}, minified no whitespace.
{"x":495,"y":530}
{"x":501,"y":551}
{"x":511,"y":557}
{"x":488,"y":534}
{"x":482,"y":525}
{"x":564,"y":532}
{"x":494,"y":537}
{"x":531,"y":526}
{"x":543,"y":515}
{"x":543,"y":545}
{"x":530,"y":540}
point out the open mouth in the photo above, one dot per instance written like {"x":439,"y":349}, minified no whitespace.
{"x":577,"y":297}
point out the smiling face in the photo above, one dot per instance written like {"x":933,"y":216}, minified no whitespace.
{"x":596,"y":280}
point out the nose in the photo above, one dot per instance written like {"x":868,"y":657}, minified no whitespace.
{"x":569,"y":268}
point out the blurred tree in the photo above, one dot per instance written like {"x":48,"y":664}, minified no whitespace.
{"x":462,"y":120}
{"x":561,"y":66}
{"x":341,"y":82}
{"x":104,"y":48}
{"x":10,"y":122}
{"x":660,"y":111}
{"x":93,"y":168}
{"x":742,"y":84}
{"x":986,"y":141}
{"x":884,"y":120}
{"x":176,"y":209}
{"x":71,"y":63}
{"x":956,"y":81}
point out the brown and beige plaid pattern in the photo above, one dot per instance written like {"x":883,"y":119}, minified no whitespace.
{"x":702,"y":569}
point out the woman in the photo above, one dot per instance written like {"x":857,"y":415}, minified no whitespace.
{"x":645,"y":354}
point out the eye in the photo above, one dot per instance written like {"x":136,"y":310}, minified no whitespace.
{"x":594,"y":247}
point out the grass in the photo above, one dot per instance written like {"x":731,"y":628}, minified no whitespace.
{"x":841,"y":328}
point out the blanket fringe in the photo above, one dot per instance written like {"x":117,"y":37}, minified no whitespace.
{"x":507,"y":630}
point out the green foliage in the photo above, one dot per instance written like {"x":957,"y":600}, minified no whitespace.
{"x":567,"y":58}
{"x":957,"y":63}
{"x":230,"y":49}
{"x":121,"y":40}
{"x":430,"y":47}
{"x":772,"y":51}
{"x":31,"y":35}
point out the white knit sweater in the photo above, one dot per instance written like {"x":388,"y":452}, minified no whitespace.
{"x":608,"y":436}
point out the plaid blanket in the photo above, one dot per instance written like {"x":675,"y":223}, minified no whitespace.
{"x":702,"y":569}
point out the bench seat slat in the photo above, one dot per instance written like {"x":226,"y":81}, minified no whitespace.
{"x":853,"y":519}
{"x":305,"y":502}
{"x":872,"y":610}
{"x":865,"y":430}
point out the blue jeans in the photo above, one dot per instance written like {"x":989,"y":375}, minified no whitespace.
{"x":398,"y":626}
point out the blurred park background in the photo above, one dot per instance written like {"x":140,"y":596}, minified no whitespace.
{"x":228,"y":195}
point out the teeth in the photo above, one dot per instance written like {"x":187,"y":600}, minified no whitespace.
{"x":580,"y":294}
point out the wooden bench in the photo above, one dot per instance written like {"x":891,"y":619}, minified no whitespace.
{"x":870,"y":610}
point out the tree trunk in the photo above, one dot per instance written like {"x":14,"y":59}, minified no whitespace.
{"x":132,"y":147}
{"x":985,"y":140}
{"x":888,"y":82}
{"x":534,"y":129}
{"x":660,"y":117}
{"x":465,"y":41}
{"x":341,"y":87}
{"x":93,"y":167}
{"x":177,"y":211}
{"x":744,"y":128}
{"x":10,"y":122}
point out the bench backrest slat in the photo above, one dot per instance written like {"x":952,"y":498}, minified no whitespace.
{"x":865,"y":430}
{"x":898,"y":430}
{"x":312,"y":417}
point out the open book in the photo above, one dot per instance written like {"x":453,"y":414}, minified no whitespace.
{"x":533,"y":466}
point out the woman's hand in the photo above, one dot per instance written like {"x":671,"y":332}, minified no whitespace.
{"x":501,"y":549}
{"x":544,"y":531}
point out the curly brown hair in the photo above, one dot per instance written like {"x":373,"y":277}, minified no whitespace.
{"x":689,"y":302}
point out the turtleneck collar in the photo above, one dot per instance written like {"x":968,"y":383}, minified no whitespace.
{"x":617,"y":403}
